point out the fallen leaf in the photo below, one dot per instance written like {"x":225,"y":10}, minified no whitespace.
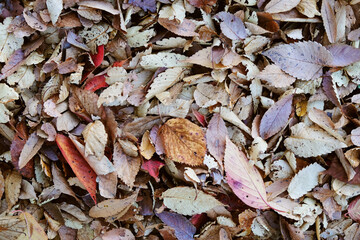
{"x":353,"y":209}
{"x":189,"y":201}
{"x":112,"y":207}
{"x":305,"y":180}
{"x":144,"y":4}
{"x":276,"y":6}
{"x":31,"y":148}
{"x":187,"y":140}
{"x":276,"y":117}
{"x":231,"y":26}
{"x":126,"y":167}
{"x":303,"y":60}
{"x":163,"y":59}
{"x":147,"y":150}
{"x":78,"y":164}
{"x":12,"y":227}
{"x":33,"y":228}
{"x":54,"y":7}
{"x":60,"y":182}
{"x":343,"y":55}
{"x":355,"y":136}
{"x":311,"y":141}
{"x":8,"y":41}
{"x":186,"y":28}
{"x":274,"y":76}
{"x":95,"y":137}
{"x":216,"y":138}
{"x":184,"y":229}
{"x":118,"y":234}
{"x":12,"y":188}
{"x":308,"y":8}
{"x":153,"y":167}
{"x":243,"y":178}
{"x":105,"y":6}
{"x":329,"y":20}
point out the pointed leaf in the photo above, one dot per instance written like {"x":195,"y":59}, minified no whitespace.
{"x":243,"y":178}
{"x":276,"y":117}
{"x":274,"y":76}
{"x":153,"y":167}
{"x":78,"y":164}
{"x":329,"y":20}
{"x":184,"y":229}
{"x":343,"y":55}
{"x":276,"y":6}
{"x":231,"y":26}
{"x":216,"y":138}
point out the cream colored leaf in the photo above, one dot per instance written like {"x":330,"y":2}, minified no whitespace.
{"x":8,"y":41}
{"x":170,"y":43}
{"x":204,"y":57}
{"x":7,"y":94}
{"x":165,"y":80}
{"x":33,"y":230}
{"x":12,"y":227}
{"x":108,"y":185}
{"x":101,"y":166}
{"x":4,"y":114}
{"x":231,"y":117}
{"x":95,"y":137}
{"x":116,"y":74}
{"x":126,"y":167}
{"x":54,"y":7}
{"x":97,"y":34}
{"x":164,"y":59}
{"x":308,"y":8}
{"x":189,"y":201}
{"x":179,"y":108}
{"x":31,"y":147}
{"x":311,"y":141}
{"x":12,"y":188}
{"x":305,"y":180}
{"x":112,"y":207}
{"x":207,"y":95}
{"x":24,"y":77}
{"x":274,"y":76}
{"x":277,"y":6}
{"x":114,"y":95}
{"x":66,"y":122}
{"x":175,"y":11}
{"x":137,"y":38}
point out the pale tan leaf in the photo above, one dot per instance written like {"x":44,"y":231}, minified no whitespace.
{"x":189,"y":201}
{"x":7,"y":94}
{"x":108,"y":185}
{"x":12,"y":227}
{"x":12,"y":188}
{"x":305,"y":180}
{"x":27,"y":190}
{"x":4,"y":114}
{"x":207,"y":95}
{"x":179,"y":108}
{"x":8,"y":41}
{"x":231,"y":117}
{"x":276,"y":6}
{"x":105,"y":6}
{"x":165,"y":80}
{"x":33,"y":230}
{"x":323,"y":120}
{"x":66,"y":122}
{"x":311,"y":141}
{"x":60,"y":182}
{"x":118,"y":234}
{"x":126,"y":167}
{"x":54,"y":7}
{"x":329,"y":20}
{"x":164,"y":59}
{"x":115,"y":95}
{"x":95,"y":137}
{"x":112,"y":207}
{"x":31,"y":148}
{"x":138,"y":38}
{"x":308,"y":8}
{"x":116,"y":74}
{"x":274,"y":76}
{"x":24,"y":77}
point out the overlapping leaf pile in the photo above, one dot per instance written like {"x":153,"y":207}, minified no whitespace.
{"x":179,"y":119}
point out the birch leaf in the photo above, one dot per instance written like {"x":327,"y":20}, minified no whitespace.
{"x":189,"y":201}
{"x":311,"y":141}
{"x":305,"y":180}
{"x":243,"y":178}
{"x":163,"y":59}
{"x":303,"y":60}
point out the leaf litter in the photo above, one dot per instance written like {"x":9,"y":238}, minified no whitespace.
{"x":184,"y":119}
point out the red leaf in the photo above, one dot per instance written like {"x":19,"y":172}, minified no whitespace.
{"x":354,"y":209}
{"x":99,"y":56}
{"x":153,"y":167}
{"x":276,"y":117}
{"x":78,"y":164}
{"x":201,"y":118}
{"x":96,"y":83}
{"x":16,"y":148}
{"x":120,"y":63}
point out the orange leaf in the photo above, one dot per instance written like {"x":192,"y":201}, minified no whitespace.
{"x":96,"y":83}
{"x":184,"y":141}
{"x":78,"y":164}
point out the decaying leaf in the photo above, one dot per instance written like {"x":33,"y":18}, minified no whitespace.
{"x":189,"y":201}
{"x":231,"y":25}
{"x":95,"y":138}
{"x":216,"y":138}
{"x":188,"y":141}
{"x":274,"y":76}
{"x":276,"y":6}
{"x":12,"y":188}
{"x":31,"y":147}
{"x":183,"y":228}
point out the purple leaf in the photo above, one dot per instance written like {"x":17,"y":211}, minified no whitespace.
{"x":343,"y":55}
{"x":184,"y":229}
{"x":144,"y":4}
{"x":231,"y":26}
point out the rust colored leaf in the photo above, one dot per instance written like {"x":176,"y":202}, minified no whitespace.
{"x":78,"y":164}
{"x":276,"y":117}
{"x":98,"y":57}
{"x":184,"y":141}
{"x":96,"y":83}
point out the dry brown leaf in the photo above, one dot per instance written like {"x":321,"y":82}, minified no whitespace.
{"x":31,"y":148}
{"x":274,"y":76}
{"x":12,"y":188}
{"x":187,"y":140}
{"x":95,"y":137}
{"x":276,"y":6}
{"x":216,"y":138}
{"x":329,"y":19}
